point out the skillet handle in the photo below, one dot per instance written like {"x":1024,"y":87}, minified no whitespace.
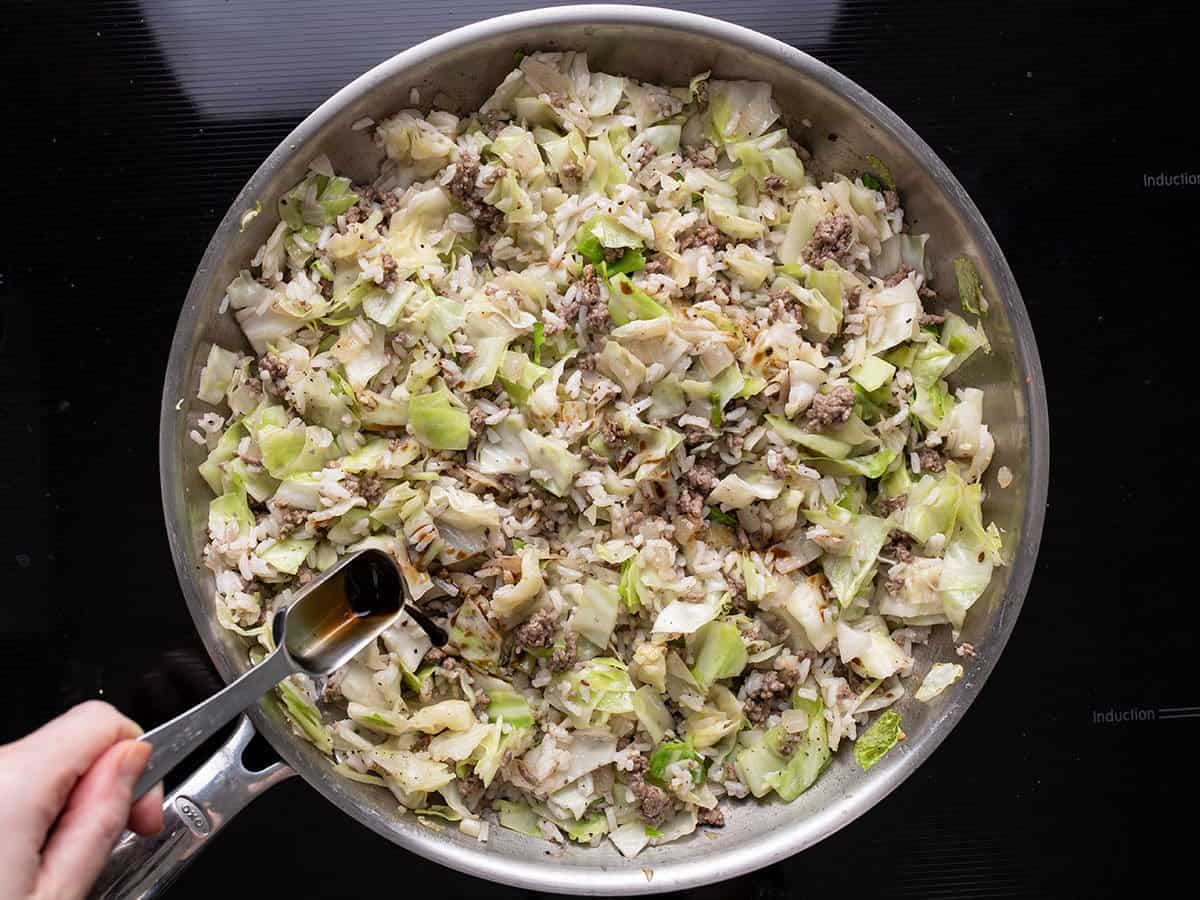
{"x":142,"y":867}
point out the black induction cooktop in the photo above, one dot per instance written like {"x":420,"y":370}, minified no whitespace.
{"x":130,"y":126}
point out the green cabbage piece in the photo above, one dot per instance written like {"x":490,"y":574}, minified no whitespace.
{"x":877,"y":740}
{"x":629,"y":587}
{"x":585,"y":831}
{"x":967,"y":566}
{"x":510,"y":198}
{"x":539,"y":339}
{"x":715,"y":515}
{"x":231,"y":507}
{"x":669,"y":753}
{"x":822,"y":314}
{"x":939,"y":677}
{"x":931,"y":403}
{"x":805,"y":215}
{"x":962,"y":340}
{"x":316,"y":201}
{"x":821,"y":444}
{"x":630,"y":261}
{"x":439,"y":317}
{"x":558,"y":465}
{"x":759,"y":764}
{"x":217,"y":374}
{"x":477,"y":641}
{"x":728,"y":384}
{"x":627,"y":302}
{"x":720,"y":653}
{"x":872,"y":373}
{"x":518,"y":376}
{"x":622,"y":366}
{"x":516,"y":147}
{"x":594,"y":690}
{"x":437,"y":423}
{"x":738,"y":110}
{"x":288,"y":555}
{"x":652,"y":712}
{"x":305,"y":716}
{"x":808,"y":760}
{"x":509,"y":706}
{"x":724,"y":212}
{"x":384,"y":308}
{"x":864,"y":537}
{"x":223,"y":452}
{"x":933,"y":506}
{"x":520,"y":818}
{"x":872,"y":465}
{"x":343,"y":530}
{"x":970,"y":290}
{"x":764,"y":766}
{"x":481,"y":372}
{"x":595,"y":616}
{"x":288,"y":451}
{"x":603,"y":232}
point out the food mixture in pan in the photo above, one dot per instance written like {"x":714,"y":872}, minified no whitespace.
{"x":657,"y":426}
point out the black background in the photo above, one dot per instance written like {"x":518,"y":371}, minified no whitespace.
{"x":128,"y":129}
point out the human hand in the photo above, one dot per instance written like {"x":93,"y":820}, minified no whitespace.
{"x":66,"y":792}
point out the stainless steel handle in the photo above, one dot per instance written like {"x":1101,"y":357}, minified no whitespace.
{"x":183,"y":734}
{"x":143,"y":867}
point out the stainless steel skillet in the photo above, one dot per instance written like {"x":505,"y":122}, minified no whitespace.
{"x":842,"y":125}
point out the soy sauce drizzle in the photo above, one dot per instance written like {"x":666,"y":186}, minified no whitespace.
{"x":374,"y":587}
{"x":436,"y":633}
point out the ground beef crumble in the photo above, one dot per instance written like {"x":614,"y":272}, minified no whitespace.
{"x":595,"y":310}
{"x":273,"y":372}
{"x":931,"y":460}
{"x":701,"y":477}
{"x":654,"y":805}
{"x":774,"y":184}
{"x":690,"y":504}
{"x":703,"y":157}
{"x":713,"y":817}
{"x":772,"y":686}
{"x":702,"y":236}
{"x":899,"y":546}
{"x":464,"y":188}
{"x":536,"y":632}
{"x":389,"y":269}
{"x":564,"y":657}
{"x":894,"y":584}
{"x":290,"y":519}
{"x":370,"y":487}
{"x":572,"y":170}
{"x":830,"y":241}
{"x":481,"y":703}
{"x":898,"y":276}
{"x":830,"y":409}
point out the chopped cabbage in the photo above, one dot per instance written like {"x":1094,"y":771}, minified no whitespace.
{"x":877,"y":740}
{"x":939,"y":677}
{"x":437,"y":423}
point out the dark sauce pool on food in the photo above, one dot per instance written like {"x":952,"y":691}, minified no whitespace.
{"x":368,"y":589}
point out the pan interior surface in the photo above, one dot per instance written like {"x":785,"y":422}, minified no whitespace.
{"x":842,"y":125}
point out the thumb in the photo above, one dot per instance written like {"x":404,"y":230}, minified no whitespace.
{"x":96,"y":812}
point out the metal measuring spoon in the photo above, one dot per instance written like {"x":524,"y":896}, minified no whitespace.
{"x":332,"y":618}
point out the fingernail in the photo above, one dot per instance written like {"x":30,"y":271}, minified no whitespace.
{"x":133,"y":761}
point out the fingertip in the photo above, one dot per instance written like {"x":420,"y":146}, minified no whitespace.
{"x":146,"y":817}
{"x":134,"y":756}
